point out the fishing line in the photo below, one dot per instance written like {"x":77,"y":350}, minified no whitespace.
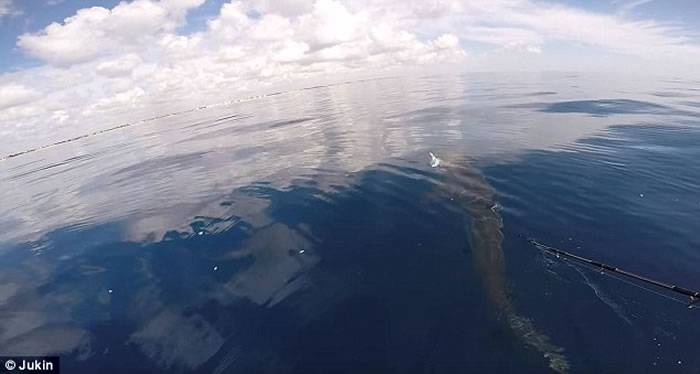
{"x":618,"y":273}
{"x":595,"y":270}
{"x":645,"y":288}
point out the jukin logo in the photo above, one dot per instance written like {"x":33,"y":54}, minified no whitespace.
{"x":32,"y":365}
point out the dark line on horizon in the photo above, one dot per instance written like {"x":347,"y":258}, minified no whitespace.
{"x":230,"y":102}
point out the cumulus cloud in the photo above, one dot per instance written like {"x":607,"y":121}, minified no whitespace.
{"x":134,"y":55}
{"x":110,"y":65}
{"x":118,"y":67}
{"x":14,"y":94}
{"x":95,"y":31}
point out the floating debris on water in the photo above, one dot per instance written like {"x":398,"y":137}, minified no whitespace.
{"x":109,"y":291}
{"x":216,"y":268}
{"x":434,"y":160}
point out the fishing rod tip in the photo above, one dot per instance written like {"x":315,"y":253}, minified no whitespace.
{"x":529,"y":239}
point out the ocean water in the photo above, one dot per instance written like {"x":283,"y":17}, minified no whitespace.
{"x":306,"y":232}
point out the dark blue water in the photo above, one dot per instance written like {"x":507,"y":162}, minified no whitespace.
{"x":306,"y":232}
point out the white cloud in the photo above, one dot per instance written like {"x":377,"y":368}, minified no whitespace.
{"x":291,"y":51}
{"x":502,"y":36}
{"x":447,"y":41}
{"x":272,"y":27}
{"x":230,"y":22}
{"x":107,"y":66}
{"x":8,"y":9}
{"x":97,"y":31}
{"x":533,"y":49}
{"x":284,"y":8}
{"x":330,"y":23}
{"x":5,"y":7}
{"x":118,"y":67}
{"x":13,"y":95}
{"x":629,"y":6}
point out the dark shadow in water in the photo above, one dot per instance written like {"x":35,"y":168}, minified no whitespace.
{"x":602,"y":108}
{"x":247,"y":129}
{"x":606,"y":107}
{"x":472,"y":193}
{"x":672,"y":94}
{"x":372,"y":275}
{"x":628,"y":197}
{"x":695,"y":104}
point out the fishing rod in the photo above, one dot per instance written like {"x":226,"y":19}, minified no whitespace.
{"x":693,"y":295}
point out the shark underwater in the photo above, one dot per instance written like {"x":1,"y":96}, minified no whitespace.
{"x":468,"y":188}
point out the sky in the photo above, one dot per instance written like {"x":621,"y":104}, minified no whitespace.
{"x":67,"y":63}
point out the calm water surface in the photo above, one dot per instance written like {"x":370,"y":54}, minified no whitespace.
{"x":306,"y":232}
